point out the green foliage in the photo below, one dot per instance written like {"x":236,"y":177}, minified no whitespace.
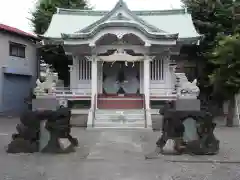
{"x":41,"y":19}
{"x":210,"y":17}
{"x":226,"y":58}
{"x":214,"y":20}
{"x":45,"y":9}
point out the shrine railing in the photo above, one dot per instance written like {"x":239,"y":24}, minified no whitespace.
{"x":162,"y":92}
{"x":69,"y":92}
{"x":80,"y":92}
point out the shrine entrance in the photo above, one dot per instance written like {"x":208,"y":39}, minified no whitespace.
{"x":121,"y":78}
{"x":121,"y":86}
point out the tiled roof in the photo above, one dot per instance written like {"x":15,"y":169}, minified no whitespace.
{"x":16,"y":31}
{"x":177,"y":21}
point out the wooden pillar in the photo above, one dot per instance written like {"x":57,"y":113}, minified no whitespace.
{"x":146,"y":70}
{"x":73,"y":73}
{"x":94,"y":81}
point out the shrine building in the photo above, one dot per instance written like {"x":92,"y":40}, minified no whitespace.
{"x":122,"y":60}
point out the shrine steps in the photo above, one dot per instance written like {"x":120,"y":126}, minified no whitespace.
{"x":119,"y":119}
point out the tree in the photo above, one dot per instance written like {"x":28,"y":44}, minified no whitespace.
{"x":226,"y":58}
{"x":45,"y":9}
{"x":41,"y":18}
{"x":219,"y":22}
{"x":226,"y":75}
{"x":209,"y":17}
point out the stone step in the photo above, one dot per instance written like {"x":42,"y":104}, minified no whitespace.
{"x":119,"y":118}
{"x":119,"y":115}
{"x":118,"y":126}
{"x":122,"y":122}
{"x":119,"y":111}
{"x":139,"y":124}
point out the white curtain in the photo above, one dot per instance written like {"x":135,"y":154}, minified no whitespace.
{"x":110,"y":84}
{"x":131,"y":85}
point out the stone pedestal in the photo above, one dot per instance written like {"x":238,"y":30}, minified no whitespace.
{"x":187,"y":105}
{"x":44,"y":136}
{"x":45,"y":104}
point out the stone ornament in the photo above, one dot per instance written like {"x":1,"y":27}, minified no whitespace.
{"x":39,"y":90}
{"x":63,"y":103}
{"x":48,"y":86}
{"x":186,"y":89}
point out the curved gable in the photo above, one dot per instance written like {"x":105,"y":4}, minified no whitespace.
{"x":127,"y":25}
{"x":120,"y":12}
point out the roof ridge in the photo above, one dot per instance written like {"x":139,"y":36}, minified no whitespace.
{"x":136,"y":12}
{"x":16,"y":31}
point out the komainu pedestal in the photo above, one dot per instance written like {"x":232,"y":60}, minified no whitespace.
{"x":41,"y":131}
{"x":191,"y":129}
{"x":58,"y":127}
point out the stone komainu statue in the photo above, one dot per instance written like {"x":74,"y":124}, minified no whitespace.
{"x":175,"y":126}
{"x":191,"y":131}
{"x":57,"y":123}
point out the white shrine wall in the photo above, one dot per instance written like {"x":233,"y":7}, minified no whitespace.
{"x":82,"y":82}
{"x":160,"y":77}
{"x":83,"y":72}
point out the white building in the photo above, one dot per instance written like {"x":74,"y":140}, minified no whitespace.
{"x":121,"y":59}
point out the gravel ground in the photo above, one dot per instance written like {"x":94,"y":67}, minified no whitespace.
{"x":119,"y":155}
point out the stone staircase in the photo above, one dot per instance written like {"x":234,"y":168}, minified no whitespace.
{"x":119,"y":118}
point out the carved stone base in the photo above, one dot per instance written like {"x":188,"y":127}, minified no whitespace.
{"x":19,"y":145}
{"x":54,"y":146}
{"x":41,"y":131}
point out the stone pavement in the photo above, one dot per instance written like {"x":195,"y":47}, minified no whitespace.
{"x":119,"y":155}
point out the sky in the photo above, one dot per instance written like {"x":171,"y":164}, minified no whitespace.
{"x":17,"y":12}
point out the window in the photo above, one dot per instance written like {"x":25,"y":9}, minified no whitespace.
{"x":85,"y":69}
{"x":17,"y":50}
{"x":157,"y":69}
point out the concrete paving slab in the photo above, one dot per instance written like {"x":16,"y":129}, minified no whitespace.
{"x":118,"y":155}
